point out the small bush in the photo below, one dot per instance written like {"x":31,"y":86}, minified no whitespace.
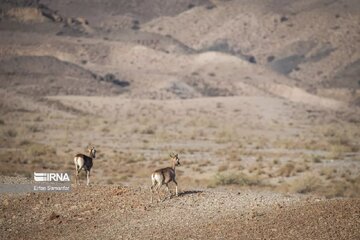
{"x":212,"y":74}
{"x":149,"y":130}
{"x":270,"y":58}
{"x":335,"y":189}
{"x":38,"y":119}
{"x":38,"y":150}
{"x":284,"y":19}
{"x":222,"y":168}
{"x":328,"y":172}
{"x":240,"y":179}
{"x":316,"y":158}
{"x":136,"y":25}
{"x":252,"y":59}
{"x":109,"y":77}
{"x":33,"y":128}
{"x":305,"y":184}
{"x":11,"y":133}
{"x":337,"y":151}
{"x":105,"y":130}
{"x":301,"y":168}
{"x":286,"y":170}
{"x":24,"y":142}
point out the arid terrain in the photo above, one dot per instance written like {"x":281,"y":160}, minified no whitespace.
{"x":260,"y":99}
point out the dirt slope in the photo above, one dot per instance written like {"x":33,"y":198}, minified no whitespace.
{"x":104,"y":212}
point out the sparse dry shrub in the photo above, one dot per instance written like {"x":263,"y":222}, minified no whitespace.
{"x":340,"y":140}
{"x":253,"y":168}
{"x":196,"y":169}
{"x":38,"y":150}
{"x":223,"y":167}
{"x":305,"y":184}
{"x":260,"y":142}
{"x":226,"y":135}
{"x":212,"y":74}
{"x":24,"y":142}
{"x":232,"y":178}
{"x":301,"y":143}
{"x":149,"y":130}
{"x":337,"y":151}
{"x":286,"y":143}
{"x":302,"y":168}
{"x":105,"y":130}
{"x":128,"y":157}
{"x":25,"y":14}
{"x":210,"y":6}
{"x":335,"y":189}
{"x":33,"y":128}
{"x":68,"y":150}
{"x":312,"y":144}
{"x":38,"y":119}
{"x":260,"y":172}
{"x":327,"y":172}
{"x":234,"y":154}
{"x":316,"y":158}
{"x":355,"y":187}
{"x":11,"y":156}
{"x":240,"y":167}
{"x":328,"y":132}
{"x":10,"y":133}
{"x":205,"y":163}
{"x":342,"y":188}
{"x":28,"y":157}
{"x":286,"y":170}
{"x":259,"y":159}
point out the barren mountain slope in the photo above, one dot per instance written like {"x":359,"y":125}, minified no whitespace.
{"x":312,"y":41}
{"x":288,"y":45}
{"x":119,"y":14}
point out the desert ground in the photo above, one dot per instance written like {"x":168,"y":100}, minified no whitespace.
{"x":260,"y":99}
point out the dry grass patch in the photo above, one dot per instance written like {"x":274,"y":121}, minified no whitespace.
{"x":34,"y":128}
{"x":39,"y":150}
{"x":233,"y":178}
{"x":328,"y":172}
{"x":226,"y":135}
{"x":10,"y":133}
{"x":288,"y":143}
{"x":316,"y":158}
{"x":223,"y":167}
{"x":286,"y":170}
{"x":302,"y":168}
{"x":305,"y":184}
